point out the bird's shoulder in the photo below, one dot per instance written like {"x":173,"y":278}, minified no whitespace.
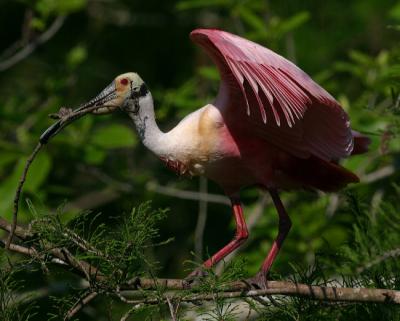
{"x":196,"y":138}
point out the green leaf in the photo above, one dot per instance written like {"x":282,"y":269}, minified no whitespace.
{"x":295,"y":21}
{"x":197,"y":4}
{"x":395,"y":12}
{"x":209,"y":73}
{"x":38,"y":24}
{"x":47,"y":7}
{"x":38,"y":172}
{"x":94,"y":155}
{"x":76,"y":56}
{"x":252,"y":19}
{"x":6,"y":158}
{"x":7,"y":190}
{"x":360,"y":58}
{"x":114,"y":136}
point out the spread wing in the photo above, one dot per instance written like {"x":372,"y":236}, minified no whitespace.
{"x":283,"y":104}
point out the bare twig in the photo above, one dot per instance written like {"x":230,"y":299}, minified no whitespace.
{"x":188,"y":195}
{"x":93,"y":199}
{"x":30,"y":251}
{"x":22,"y":233}
{"x":333,"y":204}
{"x":106,"y":179}
{"x":82,"y":243}
{"x":79,"y":305}
{"x":19,"y":248}
{"x":121,"y":297}
{"x":130,"y":311}
{"x":82,"y":267}
{"x":26,"y":35}
{"x":172,"y":309}
{"x":18,"y":192}
{"x":378,"y":174}
{"x":387,"y":255}
{"x":30,"y":48}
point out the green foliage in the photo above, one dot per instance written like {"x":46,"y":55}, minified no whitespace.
{"x":47,"y":7}
{"x":13,"y":306}
{"x":77,"y":56}
{"x":120,"y":252}
{"x":113,"y":136}
{"x":368,"y":252}
{"x":356,"y":264}
{"x":222,"y":309}
{"x":119,"y":249}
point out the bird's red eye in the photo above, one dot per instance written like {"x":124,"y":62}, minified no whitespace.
{"x":124,"y":81}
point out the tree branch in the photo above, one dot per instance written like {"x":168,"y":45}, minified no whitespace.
{"x":389,"y":254}
{"x":236,"y":289}
{"x":61,"y":255}
{"x":239,"y":289}
{"x":18,"y":192}
{"x":19,"y":231}
{"x":188,"y":195}
{"x":79,"y":305}
{"x":30,"y":48}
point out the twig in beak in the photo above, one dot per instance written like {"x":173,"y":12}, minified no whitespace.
{"x":65,"y":116}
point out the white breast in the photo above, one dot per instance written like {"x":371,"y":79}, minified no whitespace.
{"x":196,"y":140}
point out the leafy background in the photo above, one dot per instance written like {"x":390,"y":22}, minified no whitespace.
{"x":349,"y":47}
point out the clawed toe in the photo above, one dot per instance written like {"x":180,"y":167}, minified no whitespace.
{"x":259,"y":281}
{"x":194,"y":277}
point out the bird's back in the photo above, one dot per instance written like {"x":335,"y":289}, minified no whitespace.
{"x":206,"y":143}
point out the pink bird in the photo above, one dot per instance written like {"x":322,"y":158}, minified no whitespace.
{"x":270,"y":126}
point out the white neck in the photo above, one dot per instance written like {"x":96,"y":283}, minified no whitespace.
{"x":146,"y":126}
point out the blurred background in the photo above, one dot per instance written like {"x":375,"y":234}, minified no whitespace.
{"x":62,"y":53}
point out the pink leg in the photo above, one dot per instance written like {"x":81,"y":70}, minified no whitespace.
{"x":241,"y":235}
{"x":284,"y":226}
{"x":260,"y":280}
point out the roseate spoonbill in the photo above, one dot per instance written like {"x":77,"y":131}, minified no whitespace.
{"x":271,"y":125}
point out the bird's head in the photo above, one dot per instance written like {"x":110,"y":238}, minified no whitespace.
{"x":125,"y":92}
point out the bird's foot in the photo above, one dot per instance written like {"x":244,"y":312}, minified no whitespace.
{"x":259,"y":281}
{"x":195,"y":277}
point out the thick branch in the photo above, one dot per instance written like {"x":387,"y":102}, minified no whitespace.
{"x":240,"y":289}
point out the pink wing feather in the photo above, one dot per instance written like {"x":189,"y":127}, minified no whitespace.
{"x":294,"y":112}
